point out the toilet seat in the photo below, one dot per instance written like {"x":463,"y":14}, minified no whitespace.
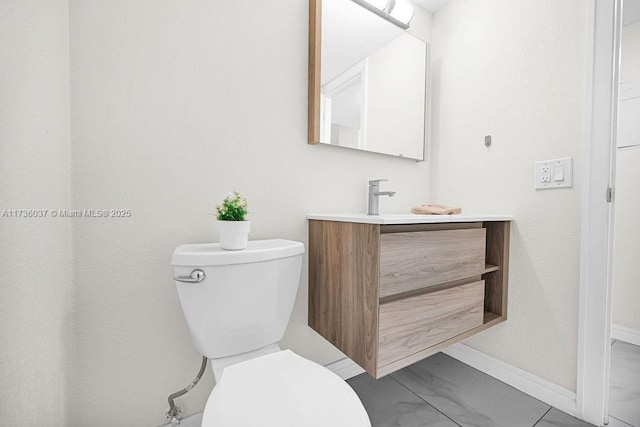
{"x":282,"y":389}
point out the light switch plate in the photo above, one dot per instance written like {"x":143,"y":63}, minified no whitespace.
{"x":556,"y":173}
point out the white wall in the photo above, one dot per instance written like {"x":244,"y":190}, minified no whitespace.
{"x":630,"y":60}
{"x":174,"y":104}
{"x":35,"y":254}
{"x":626,"y":270}
{"x":515,"y":70}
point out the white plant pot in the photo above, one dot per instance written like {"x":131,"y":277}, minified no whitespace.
{"x":234,"y":235}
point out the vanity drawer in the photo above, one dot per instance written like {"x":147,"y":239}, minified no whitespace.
{"x":420,"y":259}
{"x":412,"y":324}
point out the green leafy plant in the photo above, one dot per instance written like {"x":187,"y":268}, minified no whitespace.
{"x":233,"y":208}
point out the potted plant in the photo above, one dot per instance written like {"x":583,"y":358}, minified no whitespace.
{"x":232,"y":224}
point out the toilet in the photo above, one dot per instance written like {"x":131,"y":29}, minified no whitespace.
{"x":237,"y":306}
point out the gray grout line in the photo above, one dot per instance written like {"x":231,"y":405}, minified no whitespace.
{"x":425,"y":401}
{"x":543,"y":415}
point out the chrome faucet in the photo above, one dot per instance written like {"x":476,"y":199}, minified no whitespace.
{"x":374,"y":196}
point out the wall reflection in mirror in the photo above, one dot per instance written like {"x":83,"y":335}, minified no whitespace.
{"x":373,"y":78}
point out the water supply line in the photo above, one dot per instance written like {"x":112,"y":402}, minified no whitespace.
{"x":175,"y":413}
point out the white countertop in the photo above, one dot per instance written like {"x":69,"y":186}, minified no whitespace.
{"x":388,"y":219}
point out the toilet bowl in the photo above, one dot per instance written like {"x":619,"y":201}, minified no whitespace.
{"x":237,"y":305}
{"x":283,"y":390}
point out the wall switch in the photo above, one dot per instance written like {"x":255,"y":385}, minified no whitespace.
{"x":556,"y":173}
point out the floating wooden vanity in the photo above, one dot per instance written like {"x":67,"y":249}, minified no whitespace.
{"x":391,"y":290}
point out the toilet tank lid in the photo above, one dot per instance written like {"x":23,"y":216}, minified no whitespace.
{"x":209,"y":254}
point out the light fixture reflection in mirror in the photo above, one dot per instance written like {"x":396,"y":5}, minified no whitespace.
{"x":398,"y":12}
{"x":378,"y":4}
{"x":402,"y":11}
{"x":371,"y":85}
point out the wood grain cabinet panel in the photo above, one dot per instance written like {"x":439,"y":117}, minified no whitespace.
{"x":416,"y":260}
{"x":343,"y":300}
{"x":389,"y":296}
{"x":413,"y":324}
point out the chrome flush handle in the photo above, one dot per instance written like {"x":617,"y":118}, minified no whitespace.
{"x":196,"y":276}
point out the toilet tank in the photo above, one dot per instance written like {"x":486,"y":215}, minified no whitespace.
{"x":245,"y":300}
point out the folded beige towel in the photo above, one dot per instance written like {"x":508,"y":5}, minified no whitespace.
{"x":436,"y":210}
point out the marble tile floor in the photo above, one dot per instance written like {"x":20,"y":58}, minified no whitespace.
{"x":624,"y":390}
{"x":443,"y":392}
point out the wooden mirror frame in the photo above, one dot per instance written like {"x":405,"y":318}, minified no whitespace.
{"x":315,"y":46}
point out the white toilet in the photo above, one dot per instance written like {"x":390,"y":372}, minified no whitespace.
{"x":237,"y":305}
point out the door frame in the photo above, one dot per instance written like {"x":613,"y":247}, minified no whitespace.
{"x":594,"y":324}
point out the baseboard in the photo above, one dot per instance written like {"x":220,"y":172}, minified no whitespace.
{"x":534,"y":386}
{"x":345,"y":368}
{"x":628,"y":335}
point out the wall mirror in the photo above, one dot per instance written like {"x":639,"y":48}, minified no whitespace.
{"x":367,"y":78}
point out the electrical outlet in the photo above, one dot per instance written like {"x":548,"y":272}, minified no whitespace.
{"x":553,"y":174}
{"x":545,"y":176}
